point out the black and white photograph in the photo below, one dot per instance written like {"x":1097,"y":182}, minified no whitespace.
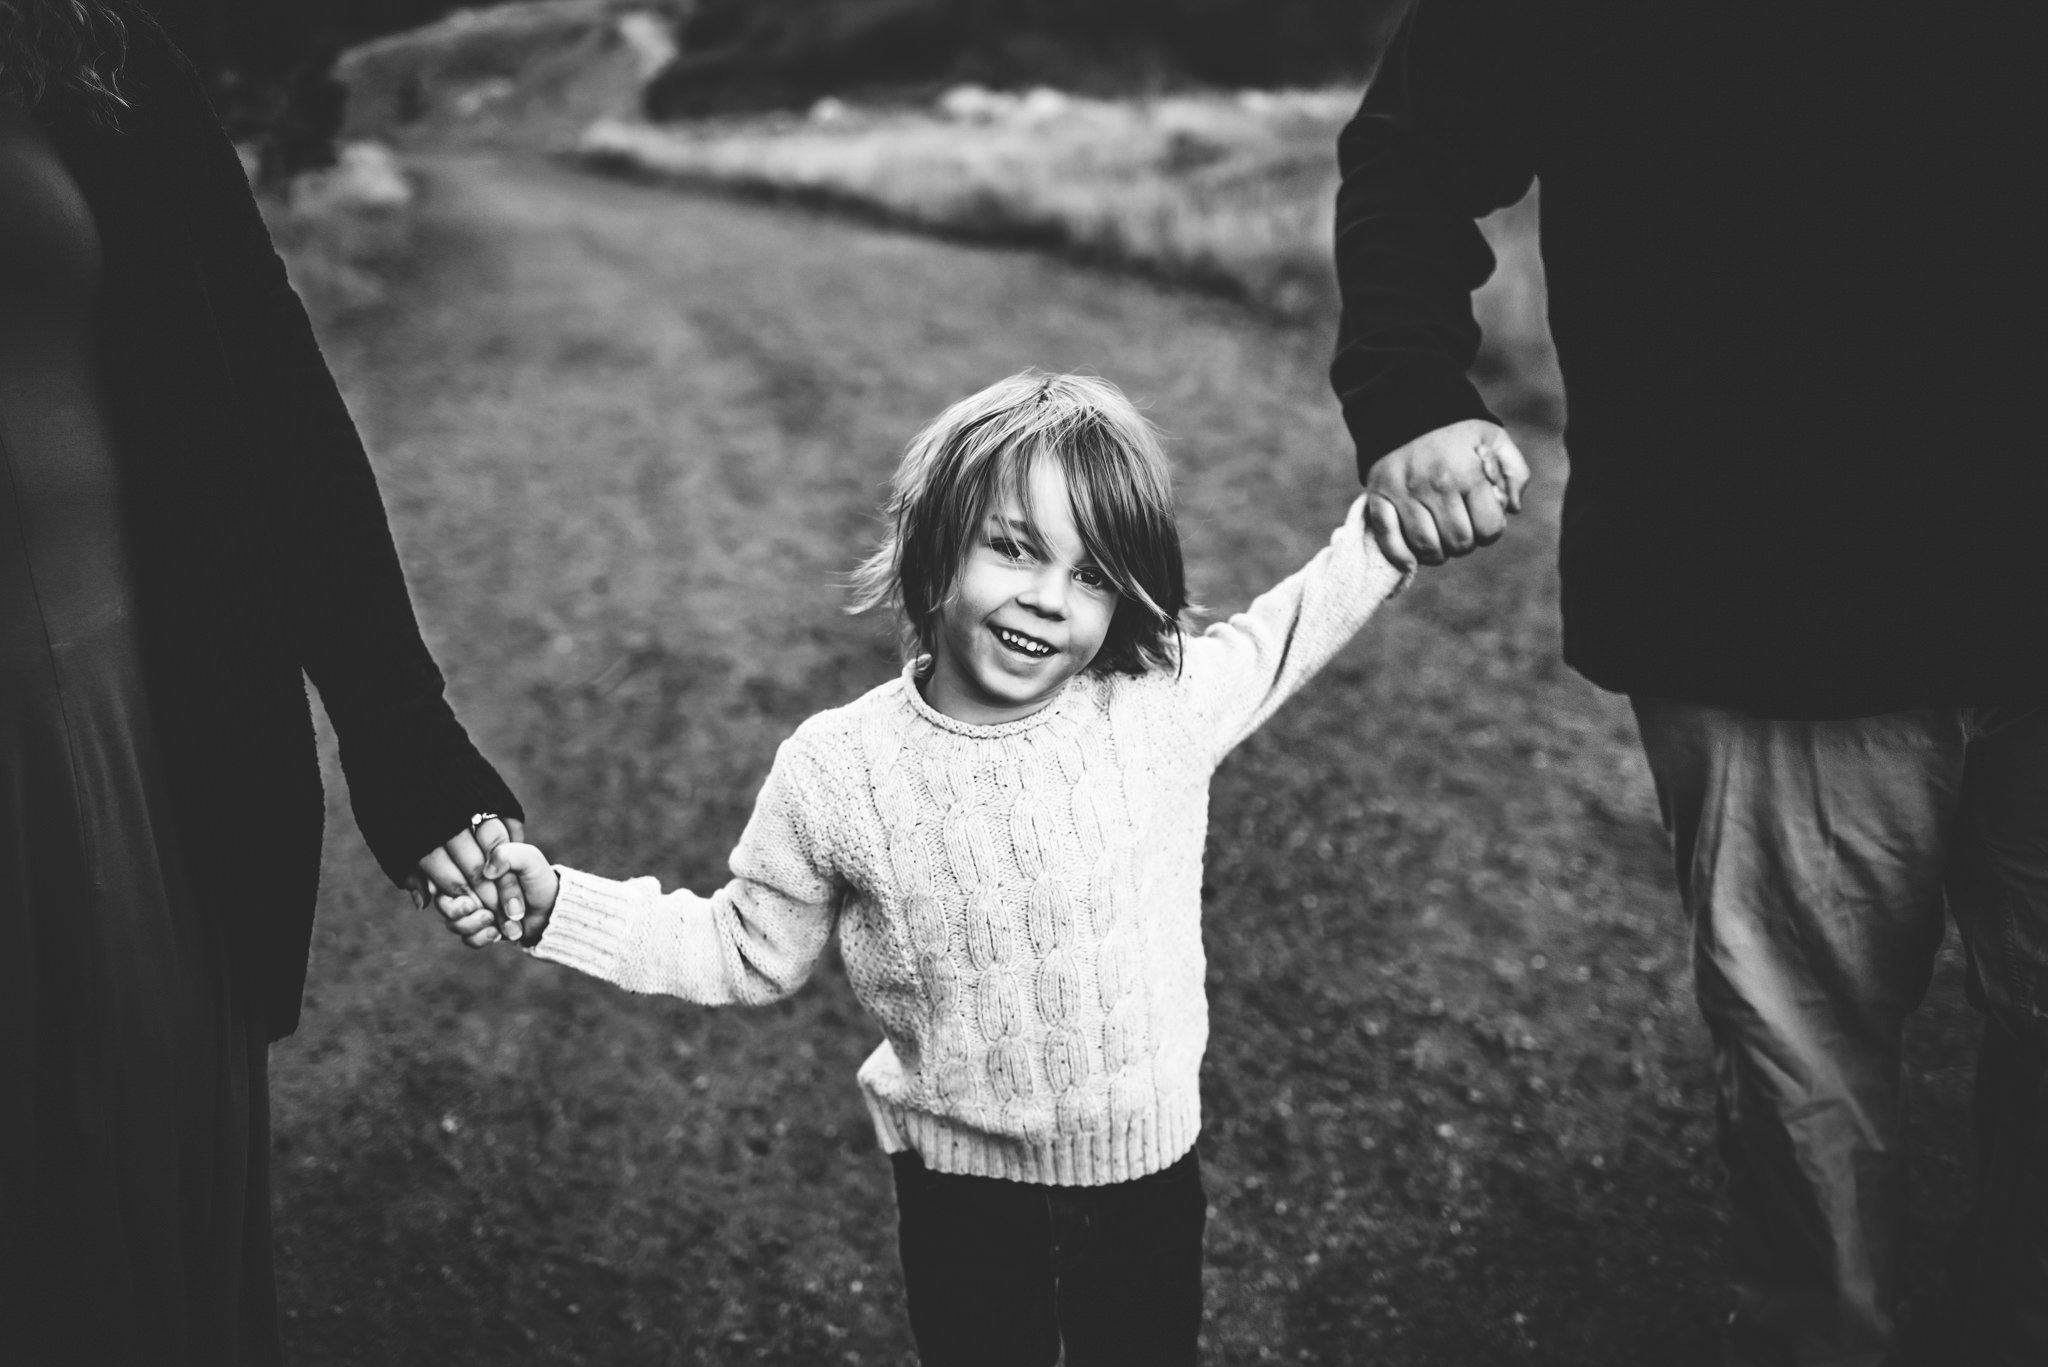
{"x":1072,"y":683}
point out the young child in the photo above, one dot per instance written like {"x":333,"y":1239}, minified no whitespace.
{"x":1008,"y":839}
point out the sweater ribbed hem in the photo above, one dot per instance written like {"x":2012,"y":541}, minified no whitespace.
{"x":589,"y":926}
{"x":1145,"y":1143}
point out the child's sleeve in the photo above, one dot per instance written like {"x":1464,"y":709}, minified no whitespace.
{"x":753,"y":941}
{"x":1236,"y":673}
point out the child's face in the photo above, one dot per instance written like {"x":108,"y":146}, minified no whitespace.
{"x":1028,"y":612}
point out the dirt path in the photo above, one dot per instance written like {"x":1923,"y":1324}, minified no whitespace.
{"x":1455,"y":1096}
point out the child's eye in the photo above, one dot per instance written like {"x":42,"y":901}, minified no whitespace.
{"x":1008,"y":549}
{"x":1091,"y":577}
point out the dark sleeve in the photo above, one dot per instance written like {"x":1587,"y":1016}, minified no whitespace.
{"x":414,"y":777}
{"x":1438,"y":142}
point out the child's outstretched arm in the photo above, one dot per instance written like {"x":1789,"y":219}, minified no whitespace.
{"x":1237,"y":672}
{"x":753,"y":941}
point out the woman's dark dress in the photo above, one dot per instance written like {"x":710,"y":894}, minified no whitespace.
{"x":135,"y":1141}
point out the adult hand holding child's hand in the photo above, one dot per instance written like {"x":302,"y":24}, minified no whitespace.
{"x":455,"y":866}
{"x":526,"y":884}
{"x":1444,"y":494}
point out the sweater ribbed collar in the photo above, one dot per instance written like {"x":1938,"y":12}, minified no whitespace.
{"x":914,"y":699}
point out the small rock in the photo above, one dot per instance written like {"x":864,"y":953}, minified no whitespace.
{"x":366,"y":175}
{"x":469,"y":103}
{"x":649,"y":36}
{"x":1043,"y":104}
{"x":975,"y":104}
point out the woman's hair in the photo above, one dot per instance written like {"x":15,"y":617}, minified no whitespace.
{"x":66,"y":52}
{"x":985,"y":447}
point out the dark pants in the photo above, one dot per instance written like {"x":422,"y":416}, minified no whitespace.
{"x":1003,"y":1274}
{"x":1814,"y":859}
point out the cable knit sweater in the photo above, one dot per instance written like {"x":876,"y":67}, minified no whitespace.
{"x":1018,"y":905}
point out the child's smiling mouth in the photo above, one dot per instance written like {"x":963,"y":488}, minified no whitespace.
{"x":1023,"y":645}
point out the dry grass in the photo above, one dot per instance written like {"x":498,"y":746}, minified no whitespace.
{"x":523,"y":74}
{"x":1231,"y":193}
{"x":1225,"y":191}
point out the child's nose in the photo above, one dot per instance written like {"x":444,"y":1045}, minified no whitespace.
{"x":1047,"y":592}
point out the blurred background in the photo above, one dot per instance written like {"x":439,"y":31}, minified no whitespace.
{"x":637,"y":302}
{"x":271,"y":56}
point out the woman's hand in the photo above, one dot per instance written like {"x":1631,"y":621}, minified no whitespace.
{"x":454,"y":869}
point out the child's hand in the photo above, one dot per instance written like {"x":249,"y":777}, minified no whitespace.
{"x":469,"y":920}
{"x":527,"y":886}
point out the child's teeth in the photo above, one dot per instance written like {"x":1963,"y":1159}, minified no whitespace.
{"x":1024,"y":643}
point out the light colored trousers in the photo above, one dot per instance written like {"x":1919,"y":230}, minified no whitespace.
{"x":1815,"y":859}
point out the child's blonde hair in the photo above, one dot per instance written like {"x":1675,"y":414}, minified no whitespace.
{"x":986,"y":446}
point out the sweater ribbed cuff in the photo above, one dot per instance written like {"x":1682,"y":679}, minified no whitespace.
{"x":588,"y":929}
{"x":1363,"y":563}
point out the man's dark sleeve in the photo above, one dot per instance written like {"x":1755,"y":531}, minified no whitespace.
{"x":1438,"y":142}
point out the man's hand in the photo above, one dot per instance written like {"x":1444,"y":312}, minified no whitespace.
{"x":455,"y":867}
{"x":1445,"y":493}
